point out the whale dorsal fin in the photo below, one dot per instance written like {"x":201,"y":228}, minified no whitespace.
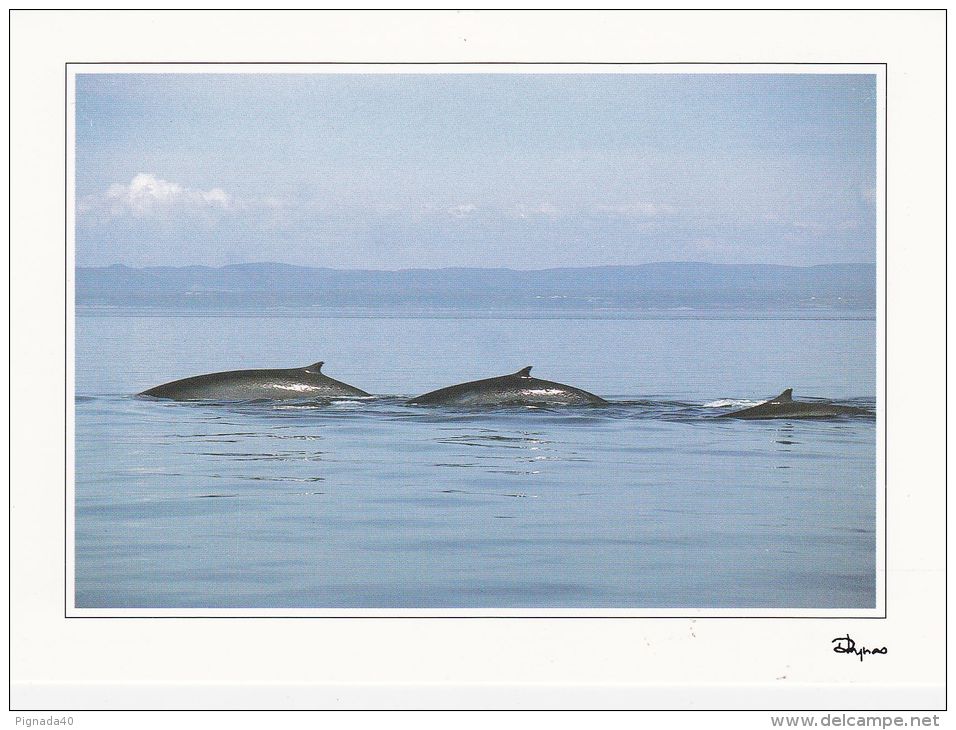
{"x":315,"y":367}
{"x":785,"y":397}
{"x":524,"y":372}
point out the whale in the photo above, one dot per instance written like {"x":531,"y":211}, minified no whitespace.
{"x":278,"y":384}
{"x":517,"y":389}
{"x":784,"y":406}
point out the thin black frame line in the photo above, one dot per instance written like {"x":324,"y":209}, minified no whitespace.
{"x":945,"y":361}
{"x":476,"y":63}
{"x":66,"y":329}
{"x":886,"y":336}
{"x":66,"y":615}
{"x":492,"y":618}
{"x":10,"y":361}
{"x":499,"y":10}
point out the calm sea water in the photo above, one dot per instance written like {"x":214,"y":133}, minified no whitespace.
{"x":650,"y":503}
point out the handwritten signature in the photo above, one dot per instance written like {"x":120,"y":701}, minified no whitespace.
{"x":846,"y":645}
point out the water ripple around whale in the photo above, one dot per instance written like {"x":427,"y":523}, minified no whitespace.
{"x":322,"y":412}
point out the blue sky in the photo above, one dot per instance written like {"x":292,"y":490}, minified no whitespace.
{"x":525,"y":171}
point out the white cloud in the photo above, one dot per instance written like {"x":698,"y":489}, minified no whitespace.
{"x":526,"y":210}
{"x":633,"y":209}
{"x":461,"y":211}
{"x":146,"y":193}
{"x":458,"y":210}
{"x":410,"y":208}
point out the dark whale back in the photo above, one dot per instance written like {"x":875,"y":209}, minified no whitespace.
{"x":515,"y":389}
{"x":784,"y":406}
{"x":276,"y":384}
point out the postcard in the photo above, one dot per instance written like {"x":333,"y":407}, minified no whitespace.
{"x":587,"y":360}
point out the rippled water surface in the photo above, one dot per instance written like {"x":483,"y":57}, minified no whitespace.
{"x":650,"y":502}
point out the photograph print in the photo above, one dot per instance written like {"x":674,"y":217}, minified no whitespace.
{"x":475,"y":341}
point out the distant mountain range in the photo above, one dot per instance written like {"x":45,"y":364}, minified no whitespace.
{"x":646,"y":286}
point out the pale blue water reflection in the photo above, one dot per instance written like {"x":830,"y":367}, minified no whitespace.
{"x":650,"y":503}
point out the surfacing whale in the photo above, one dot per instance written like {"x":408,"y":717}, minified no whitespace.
{"x":783,"y":406}
{"x":517,"y":389}
{"x":307,"y":382}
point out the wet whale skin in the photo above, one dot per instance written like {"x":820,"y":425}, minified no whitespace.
{"x":277,"y":384}
{"x":783,"y":406}
{"x":516,"y":389}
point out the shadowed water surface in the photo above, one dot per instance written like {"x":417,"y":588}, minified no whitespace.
{"x":647,"y":503}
